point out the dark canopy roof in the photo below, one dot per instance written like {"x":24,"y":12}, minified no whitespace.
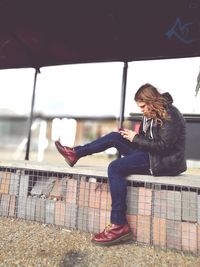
{"x":36,"y":33}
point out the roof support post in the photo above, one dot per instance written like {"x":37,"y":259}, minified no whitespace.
{"x":123,"y":95}
{"x":37,"y":70}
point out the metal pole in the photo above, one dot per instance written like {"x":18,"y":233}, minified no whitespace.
{"x":37,"y":70}
{"x":123,"y":95}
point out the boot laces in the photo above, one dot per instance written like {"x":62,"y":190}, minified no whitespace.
{"x":108,"y":227}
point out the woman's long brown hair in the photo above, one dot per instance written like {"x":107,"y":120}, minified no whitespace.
{"x":150,"y":95}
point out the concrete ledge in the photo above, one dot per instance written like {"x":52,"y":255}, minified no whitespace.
{"x":185,"y":179}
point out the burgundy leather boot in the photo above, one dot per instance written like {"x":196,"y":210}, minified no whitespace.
{"x":112,"y":234}
{"x":68,"y":153}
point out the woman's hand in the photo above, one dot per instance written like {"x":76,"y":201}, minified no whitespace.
{"x":128,"y":134}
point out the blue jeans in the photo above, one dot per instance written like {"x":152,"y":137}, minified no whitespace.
{"x":134,"y":161}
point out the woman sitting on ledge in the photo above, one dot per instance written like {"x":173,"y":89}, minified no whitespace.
{"x":158,"y":149}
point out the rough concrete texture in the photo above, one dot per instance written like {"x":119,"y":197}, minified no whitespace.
{"x":24,"y":243}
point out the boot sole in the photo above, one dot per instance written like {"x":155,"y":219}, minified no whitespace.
{"x":68,"y":162}
{"x":124,"y":238}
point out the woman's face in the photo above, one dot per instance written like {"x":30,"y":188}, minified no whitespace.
{"x":145,"y":108}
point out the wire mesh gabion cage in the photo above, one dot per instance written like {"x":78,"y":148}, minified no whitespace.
{"x":163,"y":215}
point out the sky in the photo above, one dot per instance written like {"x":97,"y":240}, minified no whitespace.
{"x":95,"y":89}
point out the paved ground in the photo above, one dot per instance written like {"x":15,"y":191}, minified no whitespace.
{"x":30,"y":244}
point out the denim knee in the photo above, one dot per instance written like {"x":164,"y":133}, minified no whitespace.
{"x":116,"y":135}
{"x":113,"y":169}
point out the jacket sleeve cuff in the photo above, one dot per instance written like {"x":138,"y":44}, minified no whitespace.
{"x":135,"y":138}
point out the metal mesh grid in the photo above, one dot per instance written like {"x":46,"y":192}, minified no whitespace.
{"x":167,"y":216}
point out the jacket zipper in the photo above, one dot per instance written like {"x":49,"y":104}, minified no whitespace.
{"x":151,"y":171}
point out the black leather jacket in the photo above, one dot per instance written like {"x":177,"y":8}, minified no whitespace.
{"x":167,"y":147}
